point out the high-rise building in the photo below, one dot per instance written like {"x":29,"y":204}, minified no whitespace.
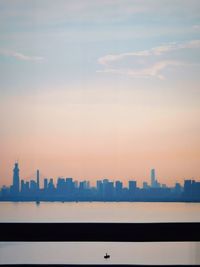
{"x":38,"y":179}
{"x":153,"y":178}
{"x":16,"y":179}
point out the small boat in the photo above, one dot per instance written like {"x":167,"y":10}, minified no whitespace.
{"x":107,"y":256}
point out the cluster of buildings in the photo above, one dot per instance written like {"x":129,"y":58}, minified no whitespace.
{"x":66,"y":189}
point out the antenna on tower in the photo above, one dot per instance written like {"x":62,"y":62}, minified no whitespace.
{"x":17,"y":161}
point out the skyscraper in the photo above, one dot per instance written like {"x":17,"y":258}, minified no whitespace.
{"x":38,"y":179}
{"x":153,"y":178}
{"x":16,"y":180}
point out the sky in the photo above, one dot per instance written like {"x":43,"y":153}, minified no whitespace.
{"x":95,"y":89}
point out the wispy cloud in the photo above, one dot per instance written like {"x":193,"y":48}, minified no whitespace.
{"x":151,"y":71}
{"x":159,"y":50}
{"x":19,"y":56}
{"x":155,"y":60}
{"x":105,"y":60}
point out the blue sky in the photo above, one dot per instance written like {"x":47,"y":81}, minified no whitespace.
{"x":40,"y":39}
{"x":123,"y":61}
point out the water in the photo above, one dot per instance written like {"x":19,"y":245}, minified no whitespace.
{"x":77,"y":252}
{"x":99,"y":212}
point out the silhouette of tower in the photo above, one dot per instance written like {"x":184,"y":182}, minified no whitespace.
{"x":38,"y":179}
{"x":153,"y":178}
{"x":16,"y":180}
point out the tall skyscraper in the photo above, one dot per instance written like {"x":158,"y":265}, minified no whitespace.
{"x":38,"y":179}
{"x":153,"y":178}
{"x":16,"y":179}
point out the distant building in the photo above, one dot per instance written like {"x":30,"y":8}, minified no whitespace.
{"x":99,"y":186}
{"x":61,"y":186}
{"x":51,"y":184}
{"x":70,"y":185}
{"x":132,"y":185}
{"x":192,"y":190}
{"x":178,"y":188}
{"x":153,"y":178}
{"x":154,"y":182}
{"x":33,"y":186}
{"x":108,"y":189}
{"x":16,"y":180}
{"x":84,"y":185}
{"x":38,"y":179}
{"x":22,"y":186}
{"x":145,"y":185}
{"x":188,"y":187}
{"x":118,"y":187}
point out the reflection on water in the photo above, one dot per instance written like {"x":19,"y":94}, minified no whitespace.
{"x":99,"y":212}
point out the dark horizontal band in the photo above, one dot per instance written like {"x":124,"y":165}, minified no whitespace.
{"x":100,"y":232}
{"x":92,"y":265}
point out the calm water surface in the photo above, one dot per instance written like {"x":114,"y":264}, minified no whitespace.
{"x":99,"y":212}
{"x":76,"y":252}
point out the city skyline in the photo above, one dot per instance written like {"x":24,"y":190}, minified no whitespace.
{"x":68,"y":189}
{"x":151,"y":180}
{"x":93,"y":88}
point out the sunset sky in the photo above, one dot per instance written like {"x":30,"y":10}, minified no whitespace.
{"x":96,"y":89}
